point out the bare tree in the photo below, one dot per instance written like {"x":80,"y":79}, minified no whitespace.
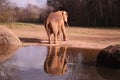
{"x":4,"y":3}
{"x":5,"y":11}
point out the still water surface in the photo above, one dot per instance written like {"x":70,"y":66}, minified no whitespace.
{"x":54,"y":63}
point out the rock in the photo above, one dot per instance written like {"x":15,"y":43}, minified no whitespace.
{"x":109,"y":57}
{"x":8,"y":40}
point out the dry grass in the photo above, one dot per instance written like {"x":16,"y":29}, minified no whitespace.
{"x":32,"y":34}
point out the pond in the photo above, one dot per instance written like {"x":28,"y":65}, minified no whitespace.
{"x":53,"y":63}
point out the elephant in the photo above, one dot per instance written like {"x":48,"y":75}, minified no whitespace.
{"x":55,"y":62}
{"x":54,"y":23}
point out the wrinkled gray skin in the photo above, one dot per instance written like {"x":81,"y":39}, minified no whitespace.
{"x":55,"y":23}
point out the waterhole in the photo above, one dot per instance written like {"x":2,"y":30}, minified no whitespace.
{"x":53,"y":63}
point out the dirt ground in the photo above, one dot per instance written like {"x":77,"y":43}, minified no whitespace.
{"x":77,"y":36}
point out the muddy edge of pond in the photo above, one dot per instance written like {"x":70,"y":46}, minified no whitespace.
{"x":67,"y":45}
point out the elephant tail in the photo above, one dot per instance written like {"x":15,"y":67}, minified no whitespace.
{"x":47,"y":24}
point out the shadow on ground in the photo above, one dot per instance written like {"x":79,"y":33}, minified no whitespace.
{"x":32,"y":40}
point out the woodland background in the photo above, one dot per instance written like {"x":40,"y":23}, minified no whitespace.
{"x":81,"y":12}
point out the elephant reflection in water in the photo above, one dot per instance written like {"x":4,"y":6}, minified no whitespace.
{"x":55,"y":62}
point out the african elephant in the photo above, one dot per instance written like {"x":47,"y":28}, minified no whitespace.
{"x":54,"y":23}
{"x":55,"y":62}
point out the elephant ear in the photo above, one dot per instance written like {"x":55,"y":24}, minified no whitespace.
{"x":65,"y":16}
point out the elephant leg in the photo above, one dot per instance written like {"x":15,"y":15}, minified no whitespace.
{"x":64,"y":33}
{"x":49,"y":37}
{"x":50,"y":41}
{"x":55,"y":32}
{"x":49,"y":32}
{"x":55,"y":38}
{"x":58,"y":35}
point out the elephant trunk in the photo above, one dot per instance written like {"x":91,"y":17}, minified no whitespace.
{"x":66,"y":23}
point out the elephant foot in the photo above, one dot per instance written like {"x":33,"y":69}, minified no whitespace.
{"x":56,"y":42}
{"x":64,"y":39}
{"x":49,"y":42}
{"x":59,"y":39}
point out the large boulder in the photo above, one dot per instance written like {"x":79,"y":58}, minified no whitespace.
{"x":8,"y":40}
{"x":109,"y":57}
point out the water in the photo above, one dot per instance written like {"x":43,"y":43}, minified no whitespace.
{"x":53,"y":63}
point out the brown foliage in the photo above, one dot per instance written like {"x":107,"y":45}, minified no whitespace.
{"x":30,"y":13}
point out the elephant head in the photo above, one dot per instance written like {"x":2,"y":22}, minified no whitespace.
{"x":55,"y":62}
{"x":65,"y":17}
